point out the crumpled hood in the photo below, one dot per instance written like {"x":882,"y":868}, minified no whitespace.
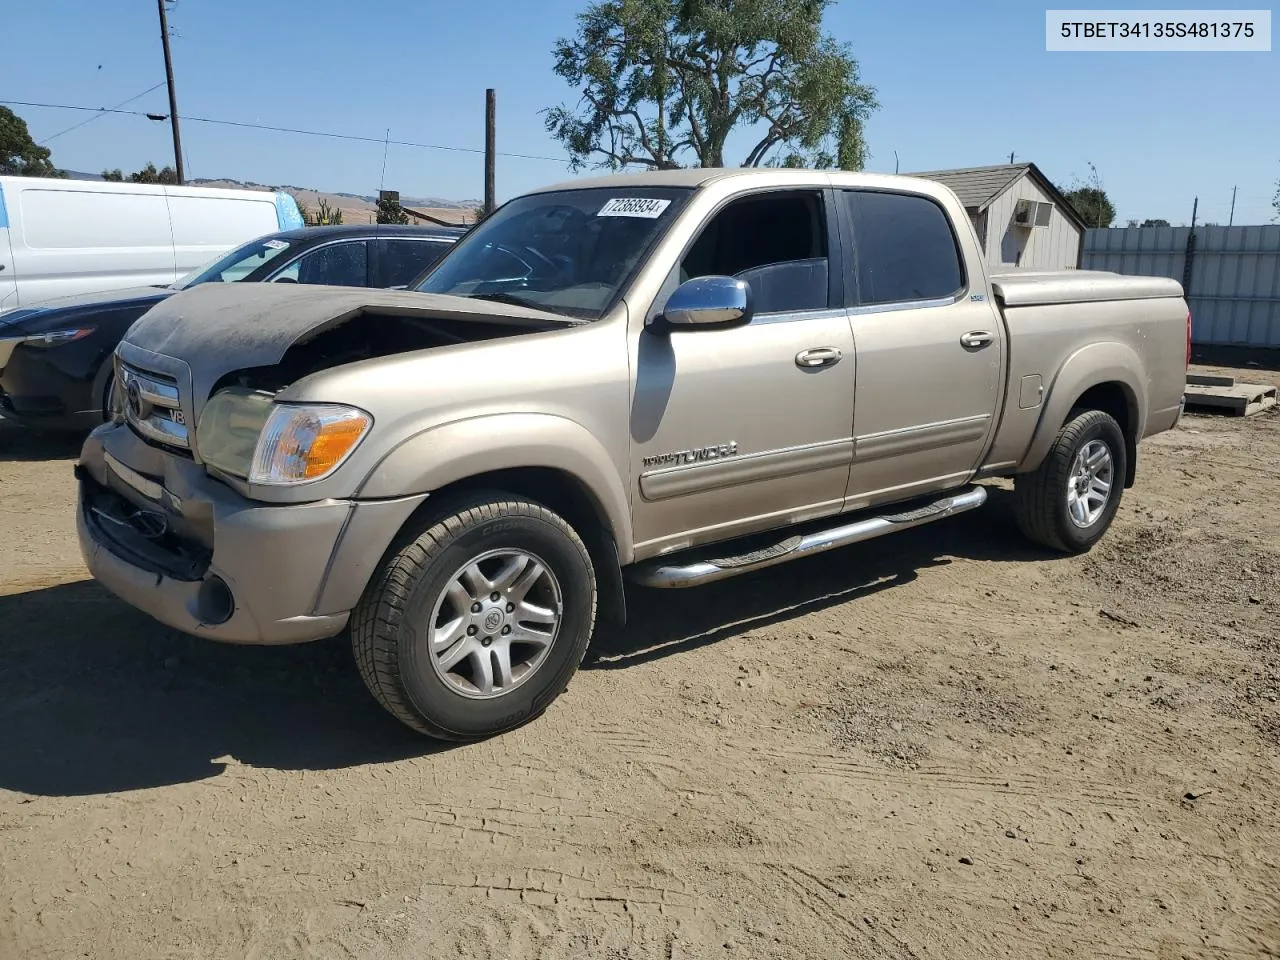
{"x":218,"y":328}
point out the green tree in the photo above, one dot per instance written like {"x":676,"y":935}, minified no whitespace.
{"x":1155,"y":223}
{"x":21,"y":156}
{"x":149,"y":174}
{"x":664,"y":83}
{"x":390,"y":211}
{"x":1090,"y":200}
{"x":1093,"y":206}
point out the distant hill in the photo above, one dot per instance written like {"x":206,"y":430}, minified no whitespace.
{"x":361,"y":208}
{"x":356,"y":208}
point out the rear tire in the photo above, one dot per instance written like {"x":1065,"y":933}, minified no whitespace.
{"x":478,"y":619}
{"x":1069,"y":501}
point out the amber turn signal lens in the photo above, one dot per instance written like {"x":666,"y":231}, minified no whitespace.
{"x":331,"y":446}
{"x":303,"y":442}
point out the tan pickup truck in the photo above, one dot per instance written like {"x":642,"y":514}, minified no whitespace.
{"x":670,"y":378}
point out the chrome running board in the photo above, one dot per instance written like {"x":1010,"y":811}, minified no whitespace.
{"x":670,"y":573}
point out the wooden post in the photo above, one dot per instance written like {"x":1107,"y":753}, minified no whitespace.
{"x":490,"y":157}
{"x":173,"y":97}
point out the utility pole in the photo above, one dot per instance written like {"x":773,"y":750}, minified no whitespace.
{"x":1011,"y":156}
{"x":490,"y":155}
{"x":895,"y":161}
{"x":173,"y":97}
{"x":1189,"y":255}
{"x":1231,"y":218}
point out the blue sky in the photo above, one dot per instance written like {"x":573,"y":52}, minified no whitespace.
{"x":960,"y":84}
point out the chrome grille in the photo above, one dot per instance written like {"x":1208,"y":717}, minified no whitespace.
{"x":152,"y":405}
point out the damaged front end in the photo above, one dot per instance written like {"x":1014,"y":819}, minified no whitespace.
{"x":260,"y":339}
{"x":209,"y":502}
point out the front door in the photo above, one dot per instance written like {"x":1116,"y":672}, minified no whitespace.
{"x":736,"y":430}
{"x":929,"y":345}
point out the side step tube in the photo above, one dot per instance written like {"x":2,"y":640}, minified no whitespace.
{"x":659,"y":573}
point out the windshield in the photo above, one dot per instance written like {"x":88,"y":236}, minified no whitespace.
{"x":236,"y":265}
{"x":569,"y":251}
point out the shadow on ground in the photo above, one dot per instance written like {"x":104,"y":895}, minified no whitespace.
{"x":23,"y":445}
{"x":665,"y":622}
{"x":97,"y":698}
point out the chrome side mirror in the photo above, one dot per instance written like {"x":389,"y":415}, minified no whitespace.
{"x":710,"y":303}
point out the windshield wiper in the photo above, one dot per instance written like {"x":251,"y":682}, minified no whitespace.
{"x":510,"y":298}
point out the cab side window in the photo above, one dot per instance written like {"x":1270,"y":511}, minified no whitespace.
{"x":777,"y":242}
{"x":903,"y":248}
{"x":338,"y":264}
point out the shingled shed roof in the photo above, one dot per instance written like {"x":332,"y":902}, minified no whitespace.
{"x":977,"y":187}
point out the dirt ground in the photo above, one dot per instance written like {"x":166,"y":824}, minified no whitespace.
{"x":945,"y":744}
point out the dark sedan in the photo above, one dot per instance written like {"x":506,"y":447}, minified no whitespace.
{"x":55,"y":369}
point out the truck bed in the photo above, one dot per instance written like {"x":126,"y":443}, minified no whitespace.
{"x":1068,"y":327}
{"x":1029,"y":288}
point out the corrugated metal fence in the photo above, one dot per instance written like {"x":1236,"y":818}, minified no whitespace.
{"x":1233,"y":280}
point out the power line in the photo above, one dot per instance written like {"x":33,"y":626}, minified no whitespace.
{"x":99,"y":113}
{"x":263,"y":126}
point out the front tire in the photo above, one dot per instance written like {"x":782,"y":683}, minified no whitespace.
{"x":1069,"y":501}
{"x":478,"y":620}
{"x":104,"y":388}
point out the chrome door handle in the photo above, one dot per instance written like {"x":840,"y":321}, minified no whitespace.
{"x":976,"y":338}
{"x":818,"y":357}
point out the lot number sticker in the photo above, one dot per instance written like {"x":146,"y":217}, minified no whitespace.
{"x":647,"y":208}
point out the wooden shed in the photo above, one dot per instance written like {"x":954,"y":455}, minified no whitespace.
{"x":1021,"y":218}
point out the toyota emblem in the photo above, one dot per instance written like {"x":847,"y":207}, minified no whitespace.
{"x":134,"y":400}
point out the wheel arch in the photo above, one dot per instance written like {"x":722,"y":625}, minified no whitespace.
{"x":1118,"y":401}
{"x":544,"y":458}
{"x":1101,"y":376}
{"x":562,"y":493}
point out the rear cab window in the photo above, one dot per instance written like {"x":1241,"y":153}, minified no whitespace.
{"x":904,"y":249}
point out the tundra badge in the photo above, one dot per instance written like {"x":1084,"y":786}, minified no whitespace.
{"x":716,"y":451}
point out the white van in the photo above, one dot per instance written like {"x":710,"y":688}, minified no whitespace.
{"x":62,"y":237}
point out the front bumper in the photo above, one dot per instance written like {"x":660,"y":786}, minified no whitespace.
{"x":195,"y":555}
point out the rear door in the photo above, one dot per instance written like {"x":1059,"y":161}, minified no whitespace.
{"x":8,"y":278}
{"x":929,"y":349}
{"x":402,"y":259}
